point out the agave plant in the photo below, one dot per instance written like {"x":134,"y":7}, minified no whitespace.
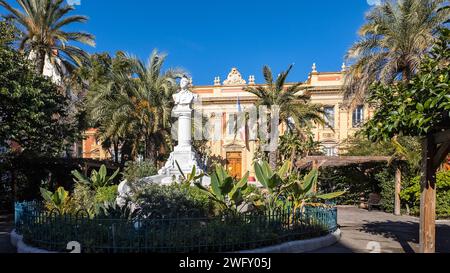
{"x":58,"y":200}
{"x":225,"y":190}
{"x":97,"y":180}
{"x":303,"y":191}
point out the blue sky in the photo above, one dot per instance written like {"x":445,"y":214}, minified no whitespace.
{"x":208,"y":38}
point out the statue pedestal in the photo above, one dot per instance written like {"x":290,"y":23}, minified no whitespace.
{"x":183,"y":154}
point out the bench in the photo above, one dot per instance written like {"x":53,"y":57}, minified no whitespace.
{"x":374,"y":201}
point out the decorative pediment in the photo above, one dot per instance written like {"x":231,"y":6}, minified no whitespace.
{"x":234,"y":78}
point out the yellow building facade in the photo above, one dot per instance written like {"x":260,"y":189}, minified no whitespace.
{"x":224,"y":100}
{"x":228,"y":98}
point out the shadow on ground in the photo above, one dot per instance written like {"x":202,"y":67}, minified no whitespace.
{"x":407,"y":233}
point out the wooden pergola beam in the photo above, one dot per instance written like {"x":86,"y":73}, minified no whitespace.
{"x":435,"y":149}
{"x":428,"y":198}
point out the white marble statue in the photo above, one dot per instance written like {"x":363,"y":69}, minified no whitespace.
{"x":184,"y":96}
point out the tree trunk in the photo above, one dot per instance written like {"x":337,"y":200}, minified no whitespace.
{"x":428,"y":198}
{"x":40,"y":62}
{"x":293,"y":157}
{"x":273,"y":155}
{"x":398,"y":188}
{"x":116,"y":152}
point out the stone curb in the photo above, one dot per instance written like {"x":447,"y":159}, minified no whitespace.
{"x":15,"y":238}
{"x":17,"y":241}
{"x":300,"y":246}
{"x":289,"y":247}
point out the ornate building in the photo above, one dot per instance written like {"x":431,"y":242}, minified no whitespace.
{"x":228,"y":98}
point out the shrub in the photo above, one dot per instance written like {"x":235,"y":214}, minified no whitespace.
{"x":106,"y":194}
{"x":358,"y":180}
{"x":386,"y":181}
{"x":170,"y":201}
{"x":136,"y":170}
{"x":83,"y":198}
{"x":411,"y":195}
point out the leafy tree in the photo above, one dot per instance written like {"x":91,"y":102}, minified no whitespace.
{"x":416,"y":108}
{"x":138,"y":109}
{"x":32,"y":112}
{"x":393,"y":42}
{"x":42,"y":24}
{"x":291,"y":146}
{"x":295,"y":112}
{"x":103,"y":80}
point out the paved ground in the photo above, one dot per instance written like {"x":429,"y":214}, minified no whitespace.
{"x":6,"y":225}
{"x":364,"y":232}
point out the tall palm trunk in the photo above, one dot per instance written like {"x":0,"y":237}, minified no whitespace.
{"x":40,"y":62}
{"x":273,"y":155}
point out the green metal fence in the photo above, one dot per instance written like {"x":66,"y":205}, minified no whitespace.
{"x":157,"y":234}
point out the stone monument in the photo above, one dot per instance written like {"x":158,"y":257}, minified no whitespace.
{"x":183,"y":153}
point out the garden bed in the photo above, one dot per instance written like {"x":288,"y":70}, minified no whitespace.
{"x":162,"y":234}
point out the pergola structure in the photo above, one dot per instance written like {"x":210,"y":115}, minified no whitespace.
{"x":436,"y":148}
{"x":333,"y":161}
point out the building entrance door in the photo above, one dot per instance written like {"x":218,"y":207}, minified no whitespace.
{"x":234,"y":164}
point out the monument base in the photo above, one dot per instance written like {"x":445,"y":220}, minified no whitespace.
{"x":186,"y":158}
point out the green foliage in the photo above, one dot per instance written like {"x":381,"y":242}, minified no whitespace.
{"x":392,"y":43}
{"x":58,"y":200}
{"x":386,"y":181}
{"x":271,"y":180}
{"x":83,"y":198}
{"x":418,"y":107}
{"x":8,"y":33}
{"x":225,"y":190}
{"x":191,"y":178}
{"x":168,"y":201}
{"x":42,"y":25}
{"x":282,"y":183}
{"x":411,"y":194}
{"x":98,"y":179}
{"x":291,"y":146}
{"x":357,"y":180}
{"x":32,"y":110}
{"x":106,"y":194}
{"x":135,"y":112}
{"x":302,"y":191}
{"x":294,"y":111}
{"x":136,"y":170}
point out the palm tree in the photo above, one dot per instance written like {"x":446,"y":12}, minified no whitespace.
{"x":43,"y":38}
{"x":295,"y":112}
{"x":157,"y":87}
{"x":392,"y":43}
{"x":137,"y":110}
